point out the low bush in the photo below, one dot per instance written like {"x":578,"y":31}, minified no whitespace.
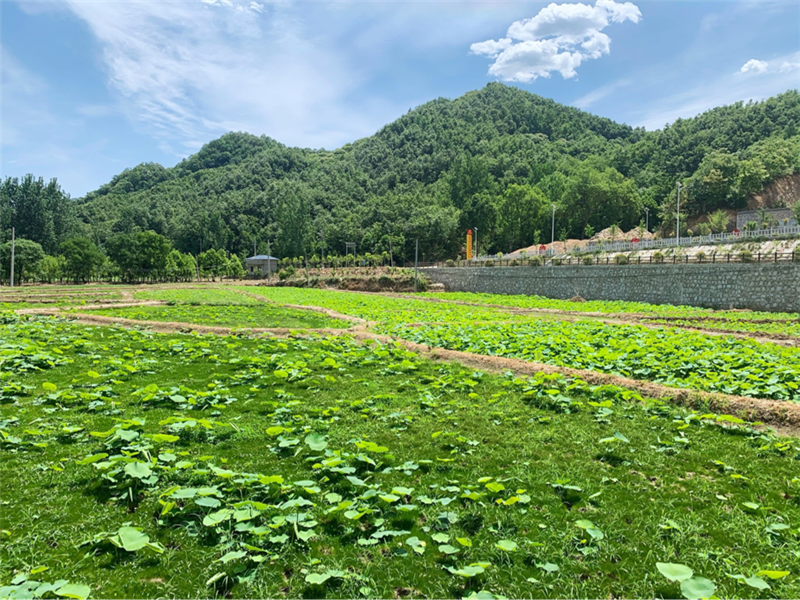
{"x":701,"y":256}
{"x":621,"y":259}
{"x":514,"y":263}
{"x":450,"y":263}
{"x":488,"y":263}
{"x":286,"y":273}
{"x":746,"y":256}
{"x":657,"y":257}
{"x":588,"y":260}
{"x":537,"y":262}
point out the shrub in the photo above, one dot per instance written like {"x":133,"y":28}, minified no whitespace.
{"x":657,"y":257}
{"x":450,"y":263}
{"x":286,"y":273}
{"x":701,"y":256}
{"x":746,"y":256}
{"x":557,"y":262}
{"x":488,"y":263}
{"x":588,"y":260}
{"x":535,"y":261}
{"x":621,"y":259}
{"x":514,"y":263}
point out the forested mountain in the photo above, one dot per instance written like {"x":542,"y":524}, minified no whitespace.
{"x":495,"y":159}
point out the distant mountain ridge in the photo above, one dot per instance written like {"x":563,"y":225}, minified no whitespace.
{"x":495,"y":159}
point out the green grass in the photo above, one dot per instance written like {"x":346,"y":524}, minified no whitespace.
{"x":200,"y":295}
{"x":483,"y":459}
{"x":261,"y":315}
{"x":387,"y":309}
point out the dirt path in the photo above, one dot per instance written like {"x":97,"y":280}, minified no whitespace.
{"x":784,"y":417}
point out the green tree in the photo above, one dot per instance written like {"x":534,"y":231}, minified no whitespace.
{"x":180,"y":267}
{"x":51,"y":268}
{"x":27,"y":255}
{"x":235,"y":268}
{"x":213,"y":263}
{"x":718,"y":220}
{"x":598,"y":197}
{"x":40,"y":212}
{"x":82,"y":258}
{"x":140,"y":255}
{"x":521,"y":210}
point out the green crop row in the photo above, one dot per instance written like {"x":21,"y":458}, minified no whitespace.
{"x":263,"y":315}
{"x":670,"y":356}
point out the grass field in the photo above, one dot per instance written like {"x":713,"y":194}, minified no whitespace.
{"x":137,"y":464}
{"x":233,"y":315}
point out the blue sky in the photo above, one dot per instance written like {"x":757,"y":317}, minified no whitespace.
{"x":92,"y":87}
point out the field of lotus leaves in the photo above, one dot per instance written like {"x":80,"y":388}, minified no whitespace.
{"x":142,"y":464}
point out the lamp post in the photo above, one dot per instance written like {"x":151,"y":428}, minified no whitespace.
{"x":647,"y":218}
{"x":678,"y":217}
{"x":553,"y":232}
{"x":476,"y":243}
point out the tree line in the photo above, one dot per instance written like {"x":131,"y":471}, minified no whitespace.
{"x":136,"y":257}
{"x":497,"y":160}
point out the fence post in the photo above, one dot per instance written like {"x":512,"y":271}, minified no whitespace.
{"x":776,"y":256}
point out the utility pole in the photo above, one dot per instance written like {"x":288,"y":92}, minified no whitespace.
{"x":678,"y":217}
{"x":476,"y":243}
{"x":647,"y":218}
{"x":322,"y":250}
{"x":254,"y":246}
{"x":13,"y":243}
{"x":269,"y":260}
{"x":553,"y":231}
{"x":391,"y":254}
{"x":416,"y":264}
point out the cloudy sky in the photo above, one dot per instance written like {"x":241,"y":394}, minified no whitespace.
{"x":92,"y":87}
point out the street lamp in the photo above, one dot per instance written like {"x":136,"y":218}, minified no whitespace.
{"x":678,"y":217}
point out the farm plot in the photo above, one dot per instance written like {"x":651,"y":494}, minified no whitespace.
{"x":201,"y":295}
{"x":233,"y":315}
{"x":686,"y":316}
{"x":146,"y":465}
{"x":387,"y":309}
{"x":670,"y":356}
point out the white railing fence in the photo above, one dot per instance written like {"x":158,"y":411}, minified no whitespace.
{"x":697,"y":240}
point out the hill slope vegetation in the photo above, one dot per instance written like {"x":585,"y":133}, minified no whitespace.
{"x":495,"y":159}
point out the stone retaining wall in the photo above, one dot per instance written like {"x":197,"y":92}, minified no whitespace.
{"x":764,"y":286}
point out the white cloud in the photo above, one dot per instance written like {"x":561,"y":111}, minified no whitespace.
{"x":754,"y":65}
{"x":559,"y":38}
{"x":780,"y":65}
{"x":788,"y":65}
{"x":727,"y":89}
{"x":189,"y":71}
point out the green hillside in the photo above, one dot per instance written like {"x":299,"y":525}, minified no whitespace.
{"x":495,"y":159}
